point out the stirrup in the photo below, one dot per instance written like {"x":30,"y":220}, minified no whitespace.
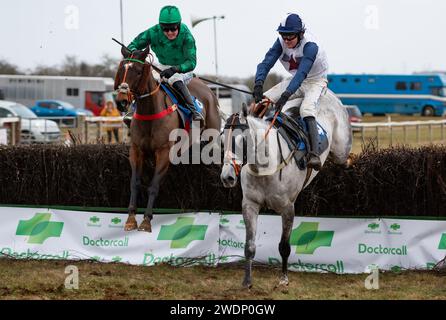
{"x":128,"y":119}
{"x":314,"y":162}
{"x":197,"y":116}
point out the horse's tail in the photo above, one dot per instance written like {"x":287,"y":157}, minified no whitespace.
{"x":342,"y":140}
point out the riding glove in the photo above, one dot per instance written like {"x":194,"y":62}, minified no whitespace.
{"x":282,"y":100}
{"x":169,"y":72}
{"x":258,"y":91}
{"x":125,"y":52}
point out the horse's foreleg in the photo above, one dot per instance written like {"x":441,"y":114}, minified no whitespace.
{"x":284,"y":245}
{"x":136,"y":161}
{"x":250,"y":214}
{"x":161,"y":166}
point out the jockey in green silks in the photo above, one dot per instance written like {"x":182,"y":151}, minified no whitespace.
{"x":175,"y":49}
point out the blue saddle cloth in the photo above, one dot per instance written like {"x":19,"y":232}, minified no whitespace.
{"x":185,"y":113}
{"x":295,"y":132}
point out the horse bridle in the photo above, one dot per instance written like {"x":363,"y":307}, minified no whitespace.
{"x":229,"y":154}
{"x":124,"y":87}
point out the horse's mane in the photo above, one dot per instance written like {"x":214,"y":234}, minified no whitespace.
{"x":257,"y":123}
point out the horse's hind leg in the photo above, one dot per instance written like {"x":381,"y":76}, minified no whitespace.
{"x":284,"y":245}
{"x":161,"y":166}
{"x":250,"y":214}
{"x":136,"y":162}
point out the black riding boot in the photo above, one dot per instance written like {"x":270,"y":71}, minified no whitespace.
{"x":314,"y":161}
{"x":184,"y":91}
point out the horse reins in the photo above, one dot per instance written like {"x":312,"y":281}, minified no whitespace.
{"x":229,"y":153}
{"x":130,"y":94}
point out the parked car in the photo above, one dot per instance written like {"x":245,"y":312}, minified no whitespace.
{"x":33,"y":129}
{"x":57,"y":108}
{"x":354,"y":115}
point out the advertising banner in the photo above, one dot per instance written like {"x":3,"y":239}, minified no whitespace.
{"x":339,"y":245}
{"x":178,"y":239}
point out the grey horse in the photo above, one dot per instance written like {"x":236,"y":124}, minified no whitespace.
{"x":263,"y":185}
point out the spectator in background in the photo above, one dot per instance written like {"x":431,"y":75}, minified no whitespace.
{"x":111,"y":111}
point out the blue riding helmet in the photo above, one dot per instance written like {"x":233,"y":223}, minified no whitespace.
{"x":291,"y":24}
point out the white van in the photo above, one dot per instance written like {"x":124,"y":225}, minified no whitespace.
{"x":33,"y":129}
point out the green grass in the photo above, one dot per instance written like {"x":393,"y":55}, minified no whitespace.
{"x":21,"y":279}
{"x":398,"y":136}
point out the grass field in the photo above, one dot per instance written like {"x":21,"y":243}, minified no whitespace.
{"x":398,"y":136}
{"x":382,"y":139}
{"x":21,"y":279}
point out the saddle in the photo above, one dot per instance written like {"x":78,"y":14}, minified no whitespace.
{"x":294,"y":131}
{"x":178,"y":99}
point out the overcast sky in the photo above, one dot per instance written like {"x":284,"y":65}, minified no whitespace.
{"x":360,"y":36}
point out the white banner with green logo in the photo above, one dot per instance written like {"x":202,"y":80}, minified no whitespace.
{"x":317,"y":244}
{"x":338,"y":244}
{"x":179,"y":239}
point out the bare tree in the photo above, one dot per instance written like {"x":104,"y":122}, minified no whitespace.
{"x":8,"y":68}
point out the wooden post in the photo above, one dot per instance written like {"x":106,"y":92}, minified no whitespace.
{"x":430,"y":133}
{"x":405,"y":134}
{"x":362,"y":136}
{"x":391,"y":135}
{"x":418,"y":133}
{"x":442,"y":132}
{"x":99,"y":130}
{"x":86,"y":131}
{"x":377,"y":137}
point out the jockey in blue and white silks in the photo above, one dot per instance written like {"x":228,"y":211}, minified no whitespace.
{"x":304,"y":58}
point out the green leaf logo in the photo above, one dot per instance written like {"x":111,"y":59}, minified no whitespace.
{"x":307,"y":238}
{"x":94,"y":219}
{"x":395,"y":226}
{"x":373,"y":226}
{"x":442,"y":244}
{"x":116,"y":220}
{"x":182,"y":232}
{"x":39,"y":228}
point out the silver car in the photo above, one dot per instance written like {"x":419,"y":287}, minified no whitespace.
{"x":33,"y":129}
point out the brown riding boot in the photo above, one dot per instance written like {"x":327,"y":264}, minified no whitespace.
{"x":314,"y":162}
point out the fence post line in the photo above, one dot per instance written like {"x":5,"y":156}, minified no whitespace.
{"x":442,"y":131}
{"x":405,"y":134}
{"x":418,"y":133}
{"x":430,"y":133}
{"x":362,"y":136}
{"x":86,"y":131}
{"x":391,"y":135}
{"x":99,"y":129}
{"x":377,"y":137}
{"x":13,"y":133}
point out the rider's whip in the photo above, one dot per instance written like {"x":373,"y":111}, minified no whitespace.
{"x":204,"y":79}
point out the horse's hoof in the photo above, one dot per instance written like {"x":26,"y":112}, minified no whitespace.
{"x":246,"y":285}
{"x":283,"y":282}
{"x":131,"y":224}
{"x":145,"y":226}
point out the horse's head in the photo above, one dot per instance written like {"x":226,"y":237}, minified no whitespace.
{"x":132,"y":77}
{"x":234,"y":140}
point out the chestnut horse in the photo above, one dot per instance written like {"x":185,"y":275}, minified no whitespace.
{"x":153,"y":120}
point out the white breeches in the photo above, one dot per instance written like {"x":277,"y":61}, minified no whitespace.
{"x":310,"y":90}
